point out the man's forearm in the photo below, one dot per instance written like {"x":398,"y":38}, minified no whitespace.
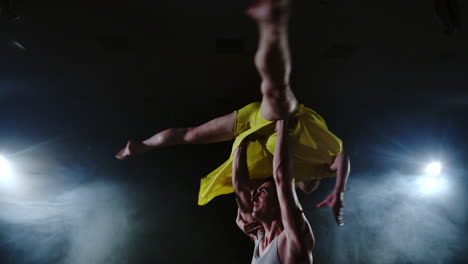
{"x":240,"y":179}
{"x":281,"y":160}
{"x":240,"y":172}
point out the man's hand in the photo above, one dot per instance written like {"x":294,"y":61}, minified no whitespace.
{"x":132,"y":148}
{"x":249,"y":228}
{"x":335,"y":201}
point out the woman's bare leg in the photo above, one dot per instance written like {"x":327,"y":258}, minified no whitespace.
{"x":273,"y":60}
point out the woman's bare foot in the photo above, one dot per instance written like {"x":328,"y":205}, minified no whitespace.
{"x":269,"y":11}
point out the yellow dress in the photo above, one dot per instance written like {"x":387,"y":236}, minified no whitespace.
{"x":314,"y":148}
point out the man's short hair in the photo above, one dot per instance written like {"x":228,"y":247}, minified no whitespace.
{"x":269,"y":179}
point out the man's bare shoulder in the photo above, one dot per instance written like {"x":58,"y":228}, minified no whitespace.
{"x":296,"y":247}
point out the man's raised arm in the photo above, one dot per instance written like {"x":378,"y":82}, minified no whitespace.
{"x":241,"y":185}
{"x":295,"y":223}
{"x":240,"y":181}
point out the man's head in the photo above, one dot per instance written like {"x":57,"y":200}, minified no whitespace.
{"x":265,"y":202}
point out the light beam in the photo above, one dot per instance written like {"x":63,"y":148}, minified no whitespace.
{"x":434,"y":168}
{"x":4,"y":167}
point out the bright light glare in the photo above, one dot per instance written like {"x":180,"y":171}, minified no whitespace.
{"x":4,"y":167}
{"x":431,"y":184}
{"x":434,"y":168}
{"x":432,"y":181}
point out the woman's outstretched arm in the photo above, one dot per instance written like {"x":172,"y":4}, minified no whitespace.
{"x":217,"y":130}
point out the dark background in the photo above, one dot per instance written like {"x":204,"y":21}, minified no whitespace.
{"x":96,"y":73}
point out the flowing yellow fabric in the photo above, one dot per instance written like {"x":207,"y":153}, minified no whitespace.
{"x":313,"y":150}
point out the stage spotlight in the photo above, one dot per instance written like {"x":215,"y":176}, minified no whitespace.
{"x":432,"y":180}
{"x":4,"y":167}
{"x":433,"y":168}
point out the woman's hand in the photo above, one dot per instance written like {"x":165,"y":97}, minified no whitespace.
{"x":335,"y":200}
{"x":132,"y":148}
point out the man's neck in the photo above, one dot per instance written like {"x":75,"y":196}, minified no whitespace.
{"x":272,"y":230}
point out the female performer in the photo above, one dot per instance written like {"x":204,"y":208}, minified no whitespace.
{"x":317,"y":153}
